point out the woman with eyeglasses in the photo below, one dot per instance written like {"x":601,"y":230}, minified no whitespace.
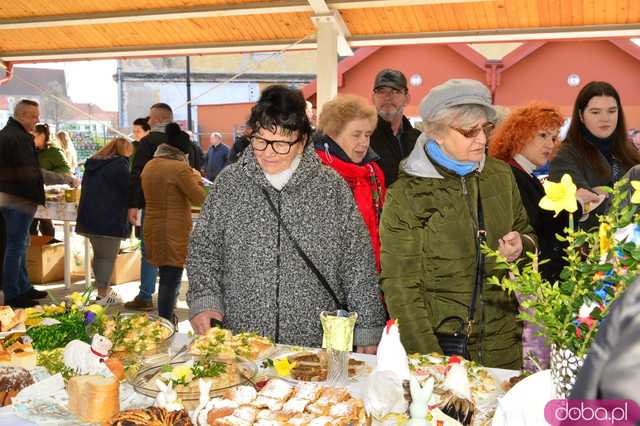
{"x":280,"y":239}
{"x":448,"y":200}
{"x":345,"y":129}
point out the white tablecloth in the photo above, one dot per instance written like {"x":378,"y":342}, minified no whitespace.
{"x":7,"y":418}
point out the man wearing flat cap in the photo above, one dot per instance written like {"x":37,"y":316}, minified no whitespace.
{"x":394,"y":137}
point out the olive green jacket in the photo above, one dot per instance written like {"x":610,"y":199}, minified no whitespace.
{"x":428,"y":234}
{"x":52,"y":158}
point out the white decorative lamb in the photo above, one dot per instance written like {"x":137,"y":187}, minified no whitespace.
{"x":420,"y":395}
{"x":88,"y":359}
{"x":168,"y":397}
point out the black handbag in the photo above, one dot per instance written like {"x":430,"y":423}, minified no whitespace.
{"x":457,"y":343}
{"x":303,"y":255}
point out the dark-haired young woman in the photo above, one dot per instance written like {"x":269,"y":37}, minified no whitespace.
{"x":244,"y":268}
{"x":596,"y":151}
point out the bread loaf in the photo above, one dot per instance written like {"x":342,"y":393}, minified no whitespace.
{"x":94,"y":398}
{"x":12,"y":381}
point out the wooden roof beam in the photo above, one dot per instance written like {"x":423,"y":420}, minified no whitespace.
{"x":323,"y":14}
{"x":500,"y":36}
{"x":239,"y":9}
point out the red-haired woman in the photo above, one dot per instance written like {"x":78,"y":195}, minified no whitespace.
{"x":526,"y":140}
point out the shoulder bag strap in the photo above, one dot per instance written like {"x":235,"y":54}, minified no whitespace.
{"x":302,"y":254}
{"x":480,"y":239}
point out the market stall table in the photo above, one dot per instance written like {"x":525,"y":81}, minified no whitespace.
{"x":8,"y":418}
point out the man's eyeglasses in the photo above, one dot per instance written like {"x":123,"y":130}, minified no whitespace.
{"x":388,"y":91}
{"x":487,"y":128}
{"x":279,"y":147}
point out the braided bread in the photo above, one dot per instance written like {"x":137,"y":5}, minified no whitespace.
{"x":152,"y":416}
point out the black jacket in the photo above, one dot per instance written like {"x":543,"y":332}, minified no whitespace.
{"x":103,"y":200}
{"x":144,"y":154}
{"x":544,"y":224}
{"x":196,"y":157}
{"x":240,"y":144}
{"x":385,"y":144}
{"x":19,"y":168}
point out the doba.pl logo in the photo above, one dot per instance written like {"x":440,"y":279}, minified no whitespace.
{"x":563,"y":412}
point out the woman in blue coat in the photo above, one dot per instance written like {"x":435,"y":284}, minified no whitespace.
{"x":102,"y":213}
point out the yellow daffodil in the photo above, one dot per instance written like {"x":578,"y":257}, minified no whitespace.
{"x":283,"y":366}
{"x":635,"y":198}
{"x":559,"y":196}
{"x":182,"y":374}
{"x":77,"y":298}
{"x":96,"y":309}
{"x":603,"y":236}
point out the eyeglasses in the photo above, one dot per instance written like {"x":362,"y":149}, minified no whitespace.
{"x":471,"y":133}
{"x":279,"y":147}
{"x":388,"y":91}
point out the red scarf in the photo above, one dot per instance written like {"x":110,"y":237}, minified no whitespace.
{"x":367,"y":184}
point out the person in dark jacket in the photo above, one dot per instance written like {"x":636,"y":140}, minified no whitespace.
{"x":394,"y":136}
{"x":160,"y":115}
{"x":21,"y":191}
{"x":102,"y":212}
{"x":239,"y":145}
{"x":216,"y":157}
{"x":596,"y":152}
{"x":195,"y":155}
{"x":526,"y":140}
{"x":139,"y":130}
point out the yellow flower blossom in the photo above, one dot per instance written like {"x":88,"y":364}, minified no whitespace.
{"x":96,"y":309}
{"x":559,"y":196}
{"x":603,"y":236}
{"x":182,"y":374}
{"x":283,"y":366}
{"x":77,"y":298}
{"x":635,"y":198}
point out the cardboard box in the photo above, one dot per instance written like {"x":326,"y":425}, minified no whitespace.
{"x":127,"y":267}
{"x":45,"y":260}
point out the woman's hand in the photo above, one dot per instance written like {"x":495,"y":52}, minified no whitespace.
{"x":369,"y":350}
{"x":202,"y":321}
{"x":590,"y":200}
{"x":510,"y":246}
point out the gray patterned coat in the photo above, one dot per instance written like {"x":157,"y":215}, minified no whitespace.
{"x":241,"y":262}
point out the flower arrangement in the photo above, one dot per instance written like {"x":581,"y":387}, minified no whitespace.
{"x":600,"y":264}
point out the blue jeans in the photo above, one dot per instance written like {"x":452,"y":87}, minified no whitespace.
{"x":168,"y":290}
{"x":14,"y":273}
{"x":148,"y":272}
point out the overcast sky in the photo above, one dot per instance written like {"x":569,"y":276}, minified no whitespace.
{"x":89,"y":81}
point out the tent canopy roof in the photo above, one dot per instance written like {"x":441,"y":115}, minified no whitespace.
{"x":40,"y":30}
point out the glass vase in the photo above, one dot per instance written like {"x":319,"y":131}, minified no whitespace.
{"x":565,"y":366}
{"x":338,"y":327}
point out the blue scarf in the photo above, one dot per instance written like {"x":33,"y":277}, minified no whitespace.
{"x":461,"y":168}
